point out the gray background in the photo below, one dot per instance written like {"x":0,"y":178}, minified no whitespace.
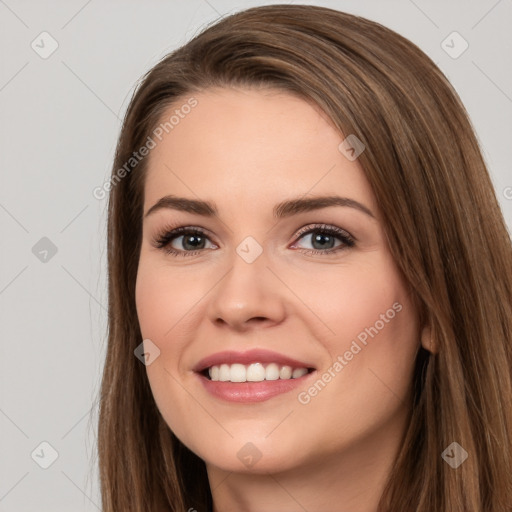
{"x":60,"y":120}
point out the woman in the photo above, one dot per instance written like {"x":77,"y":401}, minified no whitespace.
{"x":310,"y":281}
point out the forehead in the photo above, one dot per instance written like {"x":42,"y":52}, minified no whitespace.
{"x":250,"y":145}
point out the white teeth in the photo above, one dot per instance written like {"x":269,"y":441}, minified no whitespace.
{"x":255,"y":372}
{"x":285,"y":372}
{"x":214,"y":372}
{"x":238,"y":373}
{"x":272,"y":372}
{"x":299,"y":372}
{"x":224,"y":373}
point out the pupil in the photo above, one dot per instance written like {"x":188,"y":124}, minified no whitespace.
{"x":322,"y":237}
{"x":192,"y":237}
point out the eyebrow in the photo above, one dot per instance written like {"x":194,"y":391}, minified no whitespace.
{"x":281,"y":210}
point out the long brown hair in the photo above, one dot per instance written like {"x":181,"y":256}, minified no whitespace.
{"x":444,"y":226}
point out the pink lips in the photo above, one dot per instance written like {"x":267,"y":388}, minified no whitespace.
{"x":250,"y":392}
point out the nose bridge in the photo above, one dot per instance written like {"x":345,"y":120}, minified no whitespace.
{"x":249,"y":289}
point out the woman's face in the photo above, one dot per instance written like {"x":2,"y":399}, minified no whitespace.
{"x":274,"y":281}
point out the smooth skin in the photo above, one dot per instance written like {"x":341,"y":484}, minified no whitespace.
{"x":247,"y":150}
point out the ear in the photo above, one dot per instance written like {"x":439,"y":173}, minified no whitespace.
{"x":427,"y":340}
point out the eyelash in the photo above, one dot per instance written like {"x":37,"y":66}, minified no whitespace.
{"x":167,"y":235}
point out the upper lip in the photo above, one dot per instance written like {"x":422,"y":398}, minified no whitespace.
{"x":248,"y":357}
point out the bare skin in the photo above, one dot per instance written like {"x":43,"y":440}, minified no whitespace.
{"x":329,"y":449}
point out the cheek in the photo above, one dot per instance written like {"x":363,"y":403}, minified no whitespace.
{"x":157,"y":303}
{"x":152,"y":297}
{"x":362,"y":302}
{"x":167,"y":307}
{"x":165,"y":301}
{"x":375,"y":306}
{"x":372,"y":351}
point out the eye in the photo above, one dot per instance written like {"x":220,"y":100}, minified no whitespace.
{"x":323,"y":237}
{"x":190,"y":241}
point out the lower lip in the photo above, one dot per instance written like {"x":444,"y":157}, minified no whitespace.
{"x":249,"y":392}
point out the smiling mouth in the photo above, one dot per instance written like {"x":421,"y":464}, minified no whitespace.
{"x":254,"y":372}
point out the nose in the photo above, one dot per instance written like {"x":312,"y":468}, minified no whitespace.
{"x":249,"y":295}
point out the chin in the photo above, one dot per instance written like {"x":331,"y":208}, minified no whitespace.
{"x":256,"y":456}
